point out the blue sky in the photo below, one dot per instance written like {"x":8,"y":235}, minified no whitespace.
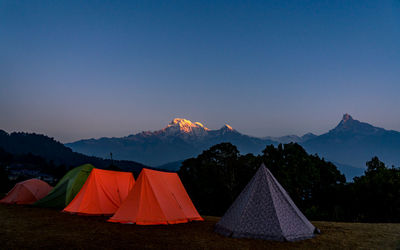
{"x":77,"y":70}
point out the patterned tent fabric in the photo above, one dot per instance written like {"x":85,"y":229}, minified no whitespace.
{"x":264,"y":210}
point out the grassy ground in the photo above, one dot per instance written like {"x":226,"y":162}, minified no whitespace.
{"x":26,"y":227}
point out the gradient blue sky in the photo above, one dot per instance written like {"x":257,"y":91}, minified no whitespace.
{"x":82,"y":69}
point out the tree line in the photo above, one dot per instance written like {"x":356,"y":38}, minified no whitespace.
{"x":217,"y":176}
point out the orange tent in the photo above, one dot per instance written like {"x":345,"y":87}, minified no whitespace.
{"x":27,"y":192}
{"x":102,"y":193}
{"x":157,"y":198}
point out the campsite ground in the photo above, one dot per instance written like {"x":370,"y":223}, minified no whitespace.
{"x":27,"y":227}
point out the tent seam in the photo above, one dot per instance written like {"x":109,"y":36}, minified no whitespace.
{"x":275,"y":208}
{"x":291,"y":203}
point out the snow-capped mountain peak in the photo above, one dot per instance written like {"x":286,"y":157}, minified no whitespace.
{"x":184,"y":126}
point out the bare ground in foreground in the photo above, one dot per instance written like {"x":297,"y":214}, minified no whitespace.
{"x":28,"y":227}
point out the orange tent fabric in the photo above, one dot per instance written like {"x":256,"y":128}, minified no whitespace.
{"x":157,"y":198}
{"x":102,"y":193}
{"x":27,"y":192}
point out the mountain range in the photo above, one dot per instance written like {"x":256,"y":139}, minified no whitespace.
{"x":292,"y":138}
{"x":349,"y":145}
{"x":179,"y":140}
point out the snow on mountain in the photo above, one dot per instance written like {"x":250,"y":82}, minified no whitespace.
{"x":180,"y":126}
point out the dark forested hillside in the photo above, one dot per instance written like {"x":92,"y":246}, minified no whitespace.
{"x":55,"y":152}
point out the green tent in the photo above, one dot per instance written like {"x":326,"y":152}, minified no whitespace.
{"x":66,"y":189}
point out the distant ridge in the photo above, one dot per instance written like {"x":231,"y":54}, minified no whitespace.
{"x":353,"y":143}
{"x":292,"y":138}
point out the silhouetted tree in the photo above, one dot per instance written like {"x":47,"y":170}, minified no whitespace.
{"x":376,"y":194}
{"x":216,"y":177}
{"x":311,"y":182}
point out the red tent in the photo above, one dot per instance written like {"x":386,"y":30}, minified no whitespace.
{"x":27,"y":192}
{"x":102,"y":193}
{"x":157,"y":198}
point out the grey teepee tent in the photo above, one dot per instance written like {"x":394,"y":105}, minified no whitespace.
{"x":264,"y":210}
